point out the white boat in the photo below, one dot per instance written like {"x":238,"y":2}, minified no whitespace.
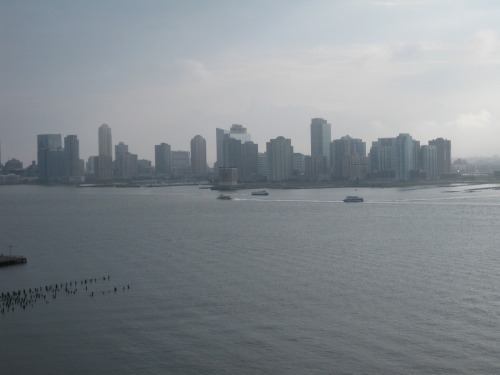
{"x":353,"y":198}
{"x":260,"y":192}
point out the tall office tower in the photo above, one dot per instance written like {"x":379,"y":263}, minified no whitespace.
{"x":263,"y":164}
{"x":231,"y":148}
{"x":125,"y":162}
{"x":249,"y":162}
{"x":180,"y":162}
{"x":403,"y":157}
{"x":239,"y":132}
{"x":219,"y":139}
{"x":162,"y":159}
{"x":347,"y":157}
{"x":180,"y":159}
{"x":104,"y":166}
{"x":428,"y":161}
{"x":416,"y":155}
{"x":50,"y":157}
{"x":199,"y":155}
{"x":105,"y":144}
{"x":381,"y":158}
{"x":298,"y":163}
{"x":320,"y":139}
{"x":279,"y":154}
{"x":72,"y":171}
{"x":443,"y":147}
{"x":91,"y":165}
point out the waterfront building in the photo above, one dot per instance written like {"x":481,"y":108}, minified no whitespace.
{"x":381,"y":164}
{"x":403,"y":157}
{"x":348,"y":158}
{"x":145,"y":167}
{"x":12,"y":165}
{"x":199,"y":156}
{"x":219,"y":139}
{"x":105,"y":141}
{"x":73,"y":172}
{"x":443,"y":153}
{"x":104,"y":170}
{"x":125,"y":162}
{"x":239,"y":132}
{"x":263,"y":168}
{"x":50,"y":157}
{"x":91,"y":165}
{"x":321,"y":139}
{"x":298,"y":164}
{"x":249,"y":162}
{"x":180,"y":163}
{"x":279,"y":153}
{"x":162,"y":159}
{"x":228,"y":176}
{"x":428,"y":161}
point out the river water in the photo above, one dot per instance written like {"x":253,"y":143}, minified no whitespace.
{"x":297,"y":282}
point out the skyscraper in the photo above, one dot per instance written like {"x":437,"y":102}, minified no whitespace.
{"x":50,"y":156}
{"x":249,"y":162}
{"x":199,"y":155}
{"x":320,"y":139}
{"x":279,"y":156}
{"x":104,"y":170}
{"x":443,"y":153}
{"x":105,"y":143}
{"x":428,"y":161}
{"x":381,"y":158}
{"x":347,"y":157}
{"x":219,"y":139}
{"x":162,"y":159}
{"x":403,"y":156}
{"x":72,"y":170}
{"x":125,"y":162}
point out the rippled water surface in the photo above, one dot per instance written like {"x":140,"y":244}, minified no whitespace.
{"x":297,"y":282}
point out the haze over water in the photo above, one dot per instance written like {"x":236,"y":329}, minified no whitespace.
{"x":294,"y":283}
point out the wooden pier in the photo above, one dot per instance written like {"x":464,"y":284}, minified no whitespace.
{"x":11,"y":260}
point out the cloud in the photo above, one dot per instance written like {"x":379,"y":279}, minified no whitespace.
{"x":483,"y":47}
{"x":393,"y":3}
{"x":187,"y":71}
{"x":473,"y":121}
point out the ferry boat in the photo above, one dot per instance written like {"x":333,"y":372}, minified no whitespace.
{"x":224,"y":197}
{"x":260,"y":192}
{"x":353,"y":198}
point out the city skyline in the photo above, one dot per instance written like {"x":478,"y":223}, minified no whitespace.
{"x":372,"y":68}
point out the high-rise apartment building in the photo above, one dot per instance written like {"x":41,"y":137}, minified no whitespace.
{"x":321,"y":136}
{"x":180,"y":159}
{"x":403,"y":156}
{"x":72,"y":167}
{"x":249,"y":162}
{"x":105,"y":142}
{"x":104,"y":167}
{"x":50,"y":156}
{"x":381,"y":157}
{"x":348,"y":157}
{"x":298,"y":163}
{"x":443,"y":150}
{"x":428,"y":161}
{"x":199,"y":155}
{"x":162,"y":159}
{"x":279,"y":156}
{"x":263,"y":165}
{"x":219,"y":140}
{"x":125,"y":162}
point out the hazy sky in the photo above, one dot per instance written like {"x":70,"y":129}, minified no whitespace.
{"x":165,"y":71}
